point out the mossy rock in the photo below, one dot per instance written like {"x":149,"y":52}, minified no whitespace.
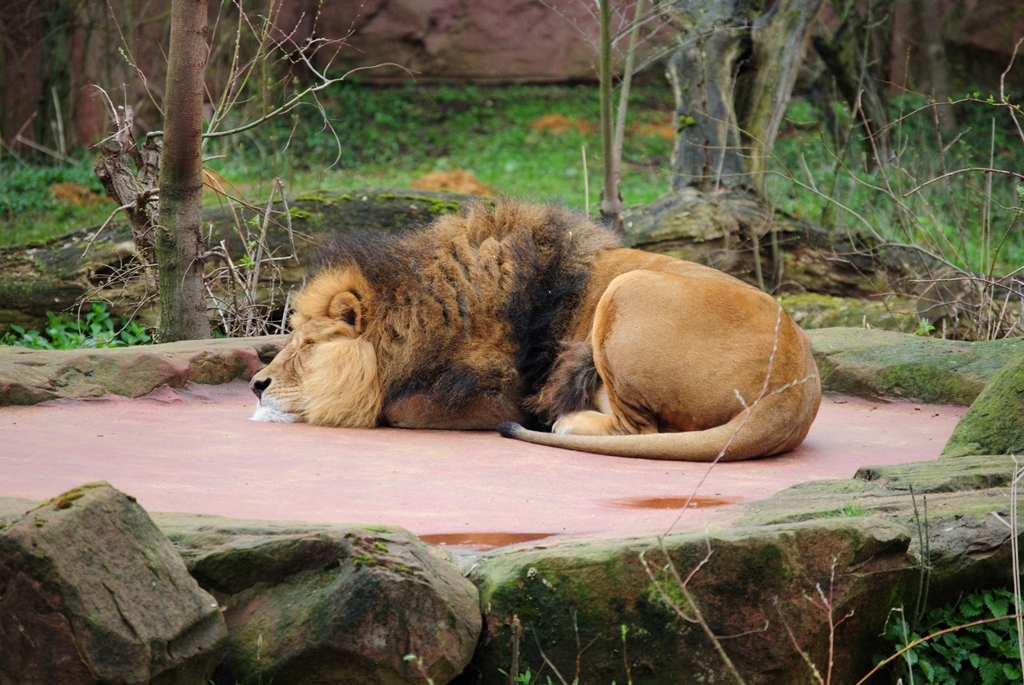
{"x":816,"y":310}
{"x":597,"y":598}
{"x":31,"y":376}
{"x":327,"y":603}
{"x":873,"y":363}
{"x":994,"y":424}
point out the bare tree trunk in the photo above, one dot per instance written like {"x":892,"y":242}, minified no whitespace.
{"x":179,"y":244}
{"x":611,"y":202}
{"x":934,"y":55}
{"x":732,"y":80}
{"x":134,"y":191}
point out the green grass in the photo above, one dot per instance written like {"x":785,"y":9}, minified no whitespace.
{"x":392,"y":135}
{"x":28,"y":210}
{"x":946,"y":216}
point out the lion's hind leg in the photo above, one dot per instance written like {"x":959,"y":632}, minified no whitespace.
{"x":571,"y":384}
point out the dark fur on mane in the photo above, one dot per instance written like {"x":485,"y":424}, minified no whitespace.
{"x":444,"y":279}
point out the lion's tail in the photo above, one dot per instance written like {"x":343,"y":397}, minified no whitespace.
{"x":777,"y":424}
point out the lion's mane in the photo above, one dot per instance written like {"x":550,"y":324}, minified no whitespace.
{"x":475,"y":303}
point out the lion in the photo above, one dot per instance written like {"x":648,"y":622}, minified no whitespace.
{"x":518,"y":314}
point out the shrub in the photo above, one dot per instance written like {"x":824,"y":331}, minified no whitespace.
{"x":986,"y":654}
{"x":96,"y":329}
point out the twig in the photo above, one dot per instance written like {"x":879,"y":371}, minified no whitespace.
{"x":545,"y":657}
{"x":804,"y":655}
{"x":957,"y":172}
{"x":45,"y":150}
{"x":517,"y":633}
{"x":105,"y":224}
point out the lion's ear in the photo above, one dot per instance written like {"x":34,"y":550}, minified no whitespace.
{"x":347,"y":308}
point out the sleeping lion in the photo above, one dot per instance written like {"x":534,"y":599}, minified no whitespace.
{"x":525,"y":314}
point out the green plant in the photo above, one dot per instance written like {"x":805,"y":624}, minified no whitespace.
{"x":986,"y":654}
{"x":924,"y":327}
{"x":95,"y":329}
{"x":420,"y":667}
{"x":845,"y":511}
{"x":951,"y":207}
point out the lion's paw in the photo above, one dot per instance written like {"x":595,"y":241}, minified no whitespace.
{"x":583,"y":423}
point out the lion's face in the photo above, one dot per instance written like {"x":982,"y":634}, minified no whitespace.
{"x":326,"y":373}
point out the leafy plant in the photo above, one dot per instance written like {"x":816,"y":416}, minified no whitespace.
{"x":527,"y":678}
{"x":924,"y":327}
{"x":95,"y":329}
{"x":986,"y":654}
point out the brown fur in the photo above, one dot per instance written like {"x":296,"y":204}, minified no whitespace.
{"x":523,"y":312}
{"x":464,"y":318}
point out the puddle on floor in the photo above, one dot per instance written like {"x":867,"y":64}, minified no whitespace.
{"x":481,"y":542}
{"x":669,"y":502}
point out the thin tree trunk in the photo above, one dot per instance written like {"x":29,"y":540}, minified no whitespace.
{"x":934,"y":55}
{"x":615,"y":209}
{"x":611,"y":205}
{"x":179,"y":244}
{"x":780,"y":38}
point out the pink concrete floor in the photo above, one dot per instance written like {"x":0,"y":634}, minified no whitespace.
{"x":195,"y":450}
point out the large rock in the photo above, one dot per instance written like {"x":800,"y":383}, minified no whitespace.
{"x":994,"y":424}
{"x":92,"y":592}
{"x":329,"y":605}
{"x":590,"y":605}
{"x":872,"y":363}
{"x":572,"y":597}
{"x":33,"y":376}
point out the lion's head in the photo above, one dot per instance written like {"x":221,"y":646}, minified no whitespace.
{"x":327,"y":371}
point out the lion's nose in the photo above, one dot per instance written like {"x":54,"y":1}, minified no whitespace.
{"x":258,"y":385}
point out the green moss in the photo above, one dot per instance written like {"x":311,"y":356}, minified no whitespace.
{"x":364,"y":560}
{"x":955,"y":475}
{"x":937,"y":379}
{"x":994,"y":424}
{"x":845,"y":511}
{"x":434,"y":205}
{"x":380,"y":546}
